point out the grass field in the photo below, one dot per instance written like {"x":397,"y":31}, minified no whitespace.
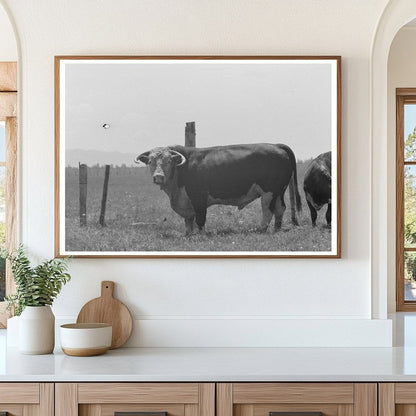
{"x":139,"y":218}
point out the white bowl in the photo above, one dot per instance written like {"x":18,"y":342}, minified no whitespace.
{"x":84,"y":340}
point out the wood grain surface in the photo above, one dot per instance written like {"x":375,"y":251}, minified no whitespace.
{"x":110,"y":393}
{"x":386,"y":399}
{"x":66,"y":399}
{"x":8,"y":76}
{"x":8,"y":108}
{"x":107,"y":309}
{"x":22,"y":393}
{"x":365,"y":399}
{"x":252,"y":393}
{"x":225,"y":399}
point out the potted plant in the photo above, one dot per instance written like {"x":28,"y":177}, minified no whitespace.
{"x":36,"y":289}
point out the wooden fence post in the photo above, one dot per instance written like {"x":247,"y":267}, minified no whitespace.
{"x":104,"y":198}
{"x":190,"y":134}
{"x":83,"y":183}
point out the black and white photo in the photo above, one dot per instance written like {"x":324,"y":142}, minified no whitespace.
{"x":198,"y":156}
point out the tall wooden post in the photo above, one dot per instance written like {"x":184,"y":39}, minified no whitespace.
{"x":190,"y":134}
{"x":83,"y":183}
{"x":104,"y":198}
{"x":11,"y":179}
{"x":11,"y":199}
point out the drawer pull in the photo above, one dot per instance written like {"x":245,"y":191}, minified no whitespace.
{"x":140,"y":414}
{"x":295,"y":413}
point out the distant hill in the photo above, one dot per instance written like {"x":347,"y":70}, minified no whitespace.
{"x":91,"y":157}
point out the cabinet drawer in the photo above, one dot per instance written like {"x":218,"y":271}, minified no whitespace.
{"x":21,"y":399}
{"x":19,"y":393}
{"x":138,"y":393}
{"x":147,"y":399}
{"x":297,"y":399}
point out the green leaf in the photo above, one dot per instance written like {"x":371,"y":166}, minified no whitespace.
{"x":35,"y":286}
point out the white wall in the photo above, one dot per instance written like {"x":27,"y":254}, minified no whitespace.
{"x":8,"y":47}
{"x":401,"y":74}
{"x":203,"y":302}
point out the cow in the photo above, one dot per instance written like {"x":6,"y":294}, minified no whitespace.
{"x":317,"y":186}
{"x":196,"y":178}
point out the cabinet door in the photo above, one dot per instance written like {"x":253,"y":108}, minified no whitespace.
{"x":397,"y":399}
{"x":297,"y":399}
{"x":142,"y":399}
{"x":26,"y":399}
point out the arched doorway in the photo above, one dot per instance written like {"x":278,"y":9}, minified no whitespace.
{"x":396,"y":15}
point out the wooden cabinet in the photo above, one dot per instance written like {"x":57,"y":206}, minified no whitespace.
{"x":397,"y":399}
{"x":106,"y":399}
{"x":331,"y":399}
{"x":27,"y":399}
{"x":208,"y":399}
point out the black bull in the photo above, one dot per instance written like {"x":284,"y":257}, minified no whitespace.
{"x":317,"y":186}
{"x":195,"y":178}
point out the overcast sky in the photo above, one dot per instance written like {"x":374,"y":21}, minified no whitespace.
{"x":148,"y":104}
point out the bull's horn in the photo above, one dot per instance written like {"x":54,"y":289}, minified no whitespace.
{"x":144,"y":158}
{"x":183,"y":158}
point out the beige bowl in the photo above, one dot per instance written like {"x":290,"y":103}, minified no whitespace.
{"x":83,"y":340}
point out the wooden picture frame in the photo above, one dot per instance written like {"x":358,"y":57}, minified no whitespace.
{"x":261,"y":122}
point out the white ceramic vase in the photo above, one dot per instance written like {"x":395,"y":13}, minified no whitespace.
{"x":37,"y":330}
{"x":12,"y":334}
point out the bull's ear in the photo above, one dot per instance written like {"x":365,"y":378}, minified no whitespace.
{"x":144,"y":158}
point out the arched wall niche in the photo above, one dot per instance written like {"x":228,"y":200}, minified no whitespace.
{"x":396,"y":15}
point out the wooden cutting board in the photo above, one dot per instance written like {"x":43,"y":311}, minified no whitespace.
{"x":108,"y":310}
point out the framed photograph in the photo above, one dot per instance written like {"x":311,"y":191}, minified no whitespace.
{"x":198,"y":156}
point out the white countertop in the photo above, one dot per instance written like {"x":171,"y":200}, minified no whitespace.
{"x":221,"y":364}
{"x":215,"y":364}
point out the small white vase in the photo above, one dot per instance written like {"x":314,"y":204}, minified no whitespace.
{"x":12,"y":334}
{"x":37,"y":330}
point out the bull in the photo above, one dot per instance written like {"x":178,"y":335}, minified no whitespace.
{"x":196,"y":178}
{"x":317,"y":186}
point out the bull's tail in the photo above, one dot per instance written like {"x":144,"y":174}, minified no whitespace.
{"x":295,"y":201}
